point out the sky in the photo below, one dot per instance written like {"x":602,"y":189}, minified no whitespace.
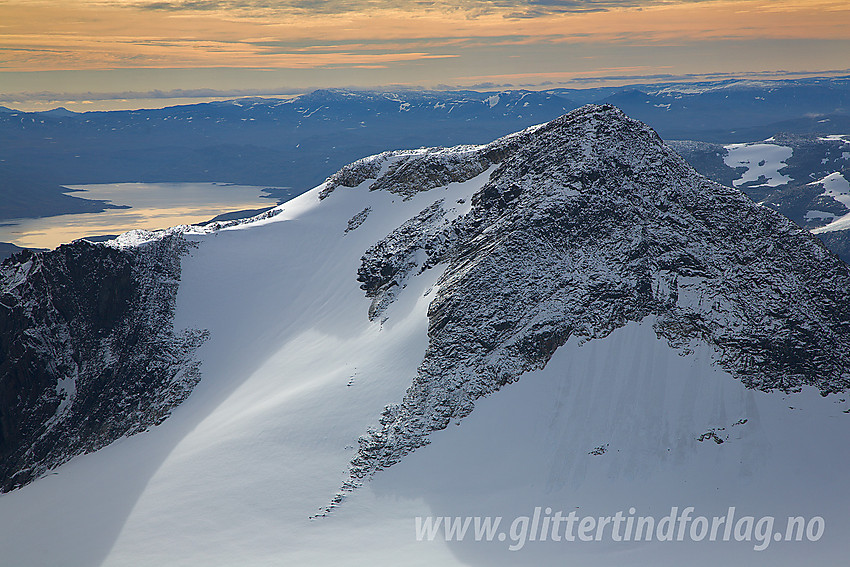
{"x":94,"y":54}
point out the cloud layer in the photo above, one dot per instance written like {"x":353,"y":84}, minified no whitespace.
{"x":300,"y":43}
{"x":512,"y":8}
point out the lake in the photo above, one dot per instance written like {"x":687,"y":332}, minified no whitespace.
{"x":151,"y":206}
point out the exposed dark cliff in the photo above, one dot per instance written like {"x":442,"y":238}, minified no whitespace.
{"x":87,"y":351}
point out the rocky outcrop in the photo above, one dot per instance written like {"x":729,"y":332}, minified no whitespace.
{"x":587,"y":223}
{"x":88,"y":352}
{"x":407,"y":172}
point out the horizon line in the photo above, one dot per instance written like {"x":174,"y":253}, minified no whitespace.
{"x":58,"y":100}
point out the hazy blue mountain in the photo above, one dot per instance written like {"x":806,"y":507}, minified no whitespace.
{"x":294,"y":143}
{"x":7,"y":250}
{"x":297,"y":142}
{"x":59,"y":111}
{"x":740,"y":111}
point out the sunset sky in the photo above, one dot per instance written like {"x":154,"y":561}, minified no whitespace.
{"x":121,"y":52}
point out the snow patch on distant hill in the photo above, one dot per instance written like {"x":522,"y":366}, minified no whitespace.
{"x":835,"y":185}
{"x":763,"y":163}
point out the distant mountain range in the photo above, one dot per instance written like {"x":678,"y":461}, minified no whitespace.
{"x":299,"y":141}
{"x":293,"y":144}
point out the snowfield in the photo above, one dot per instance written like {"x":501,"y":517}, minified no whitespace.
{"x":295,"y":371}
{"x":762,"y":162}
{"x":835,"y":185}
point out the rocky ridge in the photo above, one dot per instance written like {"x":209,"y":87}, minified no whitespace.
{"x":587,"y":223}
{"x":88,"y":352}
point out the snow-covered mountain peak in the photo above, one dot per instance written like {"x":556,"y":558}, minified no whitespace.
{"x":590,"y":222}
{"x":642,"y":330}
{"x":585,"y":137}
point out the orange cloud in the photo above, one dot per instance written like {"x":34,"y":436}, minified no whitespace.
{"x":51,"y":35}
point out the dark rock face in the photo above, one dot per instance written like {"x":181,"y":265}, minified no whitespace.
{"x":387,"y":264}
{"x":87,"y":351}
{"x":358,"y":219}
{"x":589,"y":223}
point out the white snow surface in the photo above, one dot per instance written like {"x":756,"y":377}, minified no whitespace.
{"x":835,"y":185}
{"x":761,"y":160}
{"x":835,"y":138}
{"x":294,"y":372}
{"x":814,"y":214}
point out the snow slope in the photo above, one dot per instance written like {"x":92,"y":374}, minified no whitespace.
{"x":291,"y":331}
{"x":835,"y":185}
{"x":295,"y":371}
